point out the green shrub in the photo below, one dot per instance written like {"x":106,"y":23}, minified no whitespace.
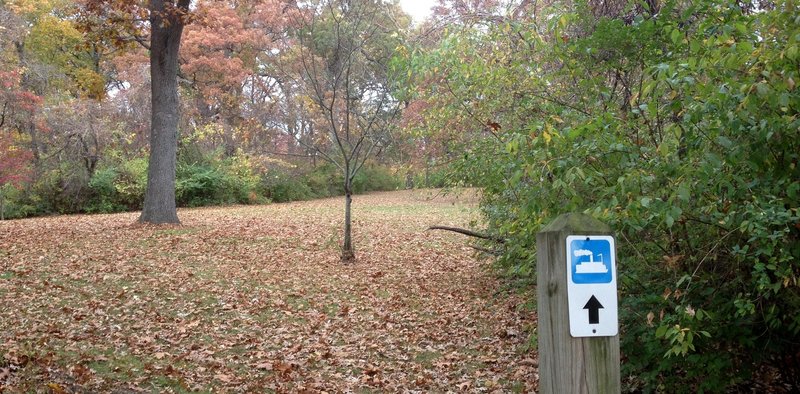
{"x":198,"y":184}
{"x":210,"y":178}
{"x":325,"y":180}
{"x":104,"y":193}
{"x":14,"y":203}
{"x":131,"y":183}
{"x":102,"y":183}
{"x":433,"y":177}
{"x":680,"y":130}
{"x":118,"y":187}
{"x":281,"y":186}
{"x":202,"y":178}
{"x":59,"y":190}
{"x":376,"y":178}
{"x":243,"y":183}
{"x":214,"y":181}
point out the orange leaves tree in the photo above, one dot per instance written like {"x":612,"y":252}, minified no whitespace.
{"x":227,"y":55}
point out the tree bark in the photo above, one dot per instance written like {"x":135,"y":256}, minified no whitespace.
{"x":166,"y":23}
{"x":348,"y":254}
{"x":427,"y":172}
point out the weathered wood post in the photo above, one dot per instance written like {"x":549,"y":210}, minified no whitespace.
{"x":582,"y":355}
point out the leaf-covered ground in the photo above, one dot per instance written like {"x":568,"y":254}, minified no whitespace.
{"x":255,"y":299}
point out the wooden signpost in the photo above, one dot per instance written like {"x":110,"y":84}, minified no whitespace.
{"x":577,"y":307}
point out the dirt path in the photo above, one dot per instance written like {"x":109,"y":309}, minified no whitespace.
{"x":254,"y":299}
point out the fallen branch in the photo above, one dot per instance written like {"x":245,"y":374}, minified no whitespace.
{"x":469,"y":233}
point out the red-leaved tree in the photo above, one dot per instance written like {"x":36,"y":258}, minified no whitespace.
{"x":15,"y":164}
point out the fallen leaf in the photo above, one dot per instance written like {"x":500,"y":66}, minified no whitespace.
{"x":223,"y":378}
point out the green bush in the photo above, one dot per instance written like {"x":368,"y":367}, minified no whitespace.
{"x":14,"y":203}
{"x":325,"y":180}
{"x":198,"y":185}
{"x":433,"y":177}
{"x":680,"y":130}
{"x":118,"y":187}
{"x":211,"y":180}
{"x":59,"y":190}
{"x":202,"y":178}
{"x":104,"y":193}
{"x":131,"y":183}
{"x":376,"y":178}
{"x":243,"y":182}
{"x":282,"y":186}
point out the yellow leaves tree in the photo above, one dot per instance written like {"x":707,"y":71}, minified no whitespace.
{"x":58,"y":43}
{"x":52,"y":43}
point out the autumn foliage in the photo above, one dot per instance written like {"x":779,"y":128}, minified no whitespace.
{"x":675,"y":122}
{"x":253,"y":299}
{"x":15,"y":162}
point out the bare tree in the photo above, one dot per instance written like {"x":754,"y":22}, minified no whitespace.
{"x":345,"y":52}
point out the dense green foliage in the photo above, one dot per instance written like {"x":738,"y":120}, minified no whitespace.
{"x":326,"y":181}
{"x":202,"y":179}
{"x":678,"y":127}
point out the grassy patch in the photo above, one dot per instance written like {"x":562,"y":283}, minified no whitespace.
{"x":427,"y":358}
{"x":297,"y":302}
{"x":118,"y":367}
{"x":176,"y":385}
{"x":331,"y":309}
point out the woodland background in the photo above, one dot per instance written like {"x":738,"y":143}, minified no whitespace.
{"x":676,"y":122}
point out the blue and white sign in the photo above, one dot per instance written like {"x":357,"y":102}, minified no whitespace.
{"x":592,"y":286}
{"x":587,"y":262}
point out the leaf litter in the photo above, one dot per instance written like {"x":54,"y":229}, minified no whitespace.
{"x":254,"y":298}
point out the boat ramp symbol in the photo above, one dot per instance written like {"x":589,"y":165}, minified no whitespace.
{"x":591,"y":266}
{"x":590,"y":260}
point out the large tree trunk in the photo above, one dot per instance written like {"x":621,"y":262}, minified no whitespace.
{"x":348,"y":255}
{"x":165,"y":38}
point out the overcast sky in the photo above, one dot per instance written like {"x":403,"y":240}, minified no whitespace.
{"x":418,"y":9}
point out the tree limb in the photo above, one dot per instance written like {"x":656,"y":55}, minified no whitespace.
{"x":469,"y":233}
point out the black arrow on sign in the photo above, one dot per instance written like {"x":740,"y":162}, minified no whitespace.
{"x":594,"y":307}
